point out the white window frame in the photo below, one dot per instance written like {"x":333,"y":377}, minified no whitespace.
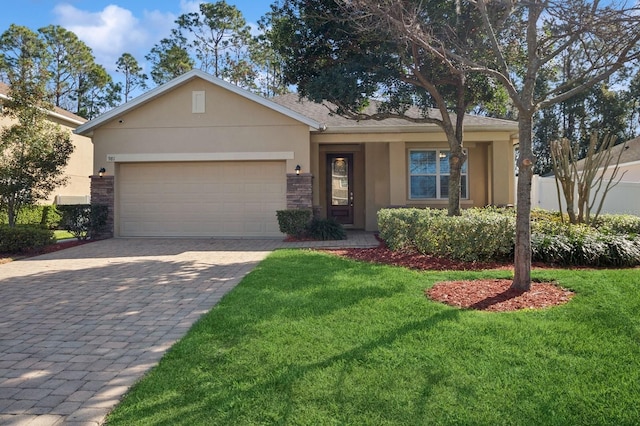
{"x":464,"y":175}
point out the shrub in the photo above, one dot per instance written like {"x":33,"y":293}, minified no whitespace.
{"x":293,"y":222}
{"x":582,"y":245}
{"x":489,"y":234}
{"x":45,"y":215}
{"x":326,"y":229}
{"x":540,"y":215}
{"x":399,"y":227}
{"x":623,"y":251}
{"x":84,"y":221}
{"x":24,"y":238}
{"x":618,"y":224}
{"x":550,"y":248}
{"x":477,"y":235}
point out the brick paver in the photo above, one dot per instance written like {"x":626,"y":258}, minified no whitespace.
{"x":78,"y":327}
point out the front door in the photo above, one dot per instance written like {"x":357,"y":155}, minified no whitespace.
{"x":340,"y":187}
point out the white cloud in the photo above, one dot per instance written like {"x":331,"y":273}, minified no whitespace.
{"x":115,"y":30}
{"x":189,"y":6}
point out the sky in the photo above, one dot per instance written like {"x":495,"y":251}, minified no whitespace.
{"x":111,"y":28}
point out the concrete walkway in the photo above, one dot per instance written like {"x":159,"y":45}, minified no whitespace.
{"x":78,"y":327}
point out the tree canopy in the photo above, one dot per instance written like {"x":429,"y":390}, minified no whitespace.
{"x":34,"y":151}
{"x":333,"y":53}
{"x":518,"y":42}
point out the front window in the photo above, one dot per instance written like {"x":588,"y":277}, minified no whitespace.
{"x":429,"y":175}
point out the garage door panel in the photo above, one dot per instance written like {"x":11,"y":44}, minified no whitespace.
{"x":236,"y":199}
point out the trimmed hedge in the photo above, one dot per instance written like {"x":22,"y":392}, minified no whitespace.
{"x":489,"y":234}
{"x":298,"y":223}
{"x":293,"y":222}
{"x":24,"y":238}
{"x":471,"y":237}
{"x":399,"y":227}
{"x":44,"y":215}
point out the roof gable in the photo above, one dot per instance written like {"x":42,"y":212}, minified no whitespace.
{"x":88,"y":127}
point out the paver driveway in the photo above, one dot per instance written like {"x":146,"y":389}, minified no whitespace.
{"x":78,"y":327}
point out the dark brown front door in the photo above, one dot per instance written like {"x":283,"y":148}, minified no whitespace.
{"x":340,"y":187}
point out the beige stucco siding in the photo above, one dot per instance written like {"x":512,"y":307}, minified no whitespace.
{"x":378,"y":188}
{"x":78,"y":169}
{"x":502,"y":164}
{"x":230,"y":124}
{"x":385,"y":168}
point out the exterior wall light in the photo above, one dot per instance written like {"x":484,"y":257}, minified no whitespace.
{"x":298,"y":168}
{"x":101,"y":171}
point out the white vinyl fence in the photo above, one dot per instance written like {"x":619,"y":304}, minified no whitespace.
{"x":624,"y":198}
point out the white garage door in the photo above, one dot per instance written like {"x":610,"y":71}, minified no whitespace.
{"x":219,"y":199}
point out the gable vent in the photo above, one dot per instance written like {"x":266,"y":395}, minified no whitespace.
{"x":197,"y":102}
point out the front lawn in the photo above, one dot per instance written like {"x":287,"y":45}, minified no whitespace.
{"x":309,"y":338}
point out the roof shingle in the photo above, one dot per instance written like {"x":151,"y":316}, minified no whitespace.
{"x":322,"y":114}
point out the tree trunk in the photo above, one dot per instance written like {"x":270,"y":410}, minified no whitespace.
{"x":522,"y":258}
{"x":12,"y":212}
{"x":456,"y":160}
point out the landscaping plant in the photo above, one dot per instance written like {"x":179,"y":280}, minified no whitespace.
{"x":489,"y":234}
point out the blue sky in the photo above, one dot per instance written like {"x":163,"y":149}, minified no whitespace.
{"x":111,"y":28}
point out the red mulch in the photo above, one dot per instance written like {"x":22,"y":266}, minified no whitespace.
{"x":413,"y":260}
{"x":496,"y":295}
{"x":481,"y":294}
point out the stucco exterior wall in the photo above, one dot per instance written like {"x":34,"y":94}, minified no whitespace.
{"x":229,"y":125}
{"x":78,"y":169}
{"x":385,"y":168}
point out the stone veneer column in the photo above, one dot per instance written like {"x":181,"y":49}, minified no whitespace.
{"x":102,"y":193}
{"x":299,"y":191}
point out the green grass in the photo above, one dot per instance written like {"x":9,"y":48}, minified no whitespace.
{"x":62,"y":235}
{"x":312,"y":339}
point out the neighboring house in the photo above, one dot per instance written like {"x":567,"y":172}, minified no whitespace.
{"x":629,"y":164}
{"x":200,"y":157}
{"x":80,"y":166}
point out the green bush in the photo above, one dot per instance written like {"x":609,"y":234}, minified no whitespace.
{"x":326,"y":229}
{"x":84,"y":221}
{"x":398,"y":227}
{"x":24,"y":238}
{"x":623,"y":251}
{"x":581,"y":245}
{"x":618,"y":224}
{"x":475,"y":236}
{"x":489,"y":234}
{"x":293,"y":222}
{"x":45,"y":215}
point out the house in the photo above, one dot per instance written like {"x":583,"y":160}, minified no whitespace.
{"x":80,"y":166}
{"x":620,"y":198}
{"x":198,"y":156}
{"x":629,"y":164}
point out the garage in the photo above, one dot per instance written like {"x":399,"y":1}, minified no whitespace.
{"x":200,"y":199}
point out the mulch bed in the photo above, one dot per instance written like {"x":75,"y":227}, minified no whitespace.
{"x":482,"y":294}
